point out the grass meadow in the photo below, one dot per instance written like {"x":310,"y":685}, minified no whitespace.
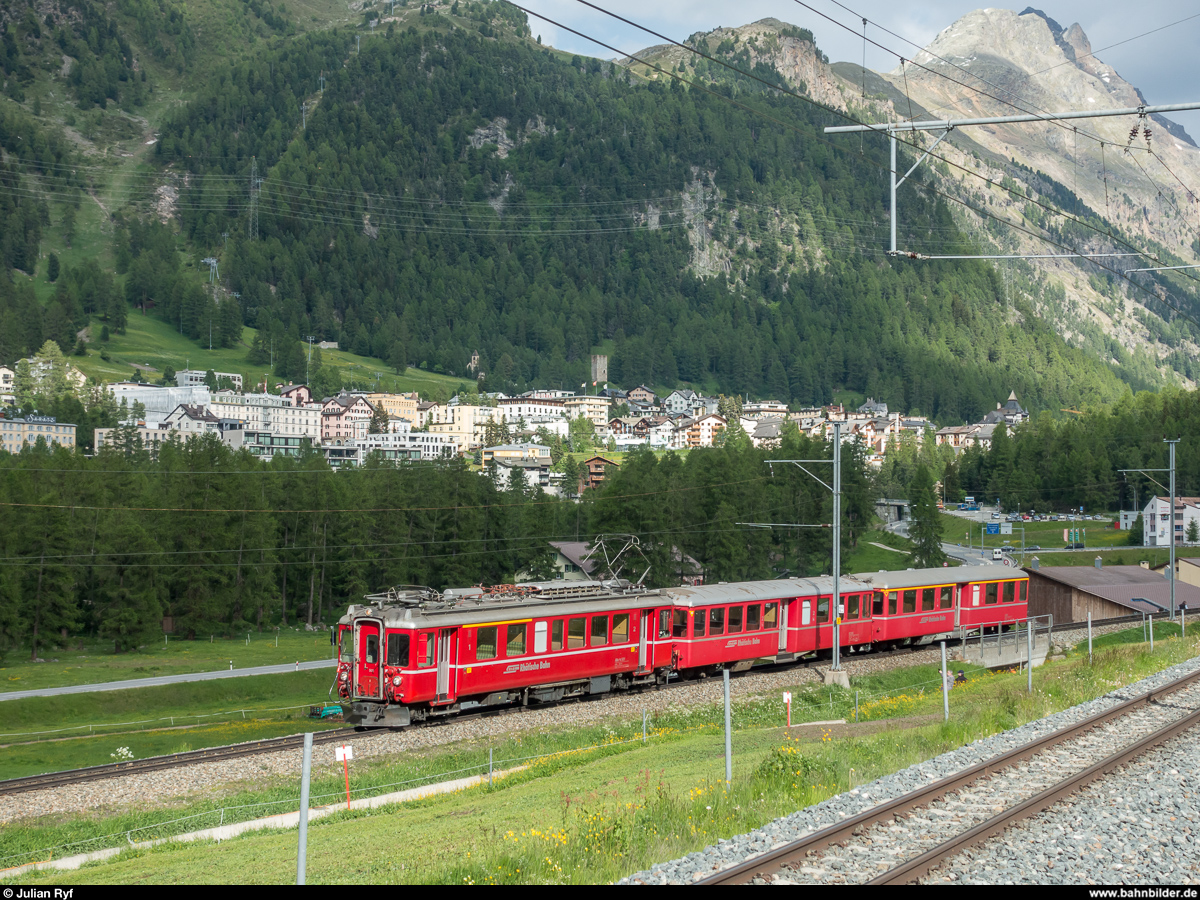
{"x":595,"y":803}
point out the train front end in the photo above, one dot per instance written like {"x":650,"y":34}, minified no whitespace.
{"x":370,"y":679}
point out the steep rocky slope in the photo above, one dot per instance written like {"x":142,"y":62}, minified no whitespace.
{"x":997,"y":62}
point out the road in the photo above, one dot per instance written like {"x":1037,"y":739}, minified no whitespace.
{"x":170,"y":679}
{"x":970,"y":557}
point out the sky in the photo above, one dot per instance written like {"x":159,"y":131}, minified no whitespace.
{"x":1165,"y":65}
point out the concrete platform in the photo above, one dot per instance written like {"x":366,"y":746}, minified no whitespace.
{"x":1010,"y":652}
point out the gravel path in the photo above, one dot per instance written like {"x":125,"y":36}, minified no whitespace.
{"x":173,"y":787}
{"x":733,"y":851}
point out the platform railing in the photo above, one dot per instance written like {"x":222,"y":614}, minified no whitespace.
{"x":1004,"y":631}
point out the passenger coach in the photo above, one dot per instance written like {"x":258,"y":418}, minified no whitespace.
{"x":917,"y":605}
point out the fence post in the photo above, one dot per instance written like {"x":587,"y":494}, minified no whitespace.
{"x":643,"y":725}
{"x":728,"y":741}
{"x":1089,"y":637}
{"x":945,"y":687}
{"x":304,"y":779}
{"x":1029,"y":656}
{"x":1151,"y":632}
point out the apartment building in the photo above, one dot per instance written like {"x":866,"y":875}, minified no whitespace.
{"x":18,"y":433}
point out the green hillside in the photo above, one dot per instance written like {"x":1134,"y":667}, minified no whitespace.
{"x":442,"y":184}
{"x":150,"y":346}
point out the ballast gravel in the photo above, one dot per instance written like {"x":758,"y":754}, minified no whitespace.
{"x":1133,"y":828}
{"x":1142,"y":822}
{"x":173,"y":787}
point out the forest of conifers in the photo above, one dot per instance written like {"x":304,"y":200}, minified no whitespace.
{"x":222,"y":542}
{"x":376,"y":230}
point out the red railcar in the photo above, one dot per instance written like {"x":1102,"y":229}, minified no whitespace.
{"x":413,"y":653}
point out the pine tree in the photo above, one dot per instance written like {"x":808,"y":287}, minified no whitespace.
{"x":380,"y":423}
{"x":925,"y":529}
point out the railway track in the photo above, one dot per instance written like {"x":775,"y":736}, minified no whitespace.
{"x":170,"y":761}
{"x":293,"y":742}
{"x":900,"y":841}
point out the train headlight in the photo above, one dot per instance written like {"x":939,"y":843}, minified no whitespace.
{"x":343,"y":677}
{"x":396,"y":681}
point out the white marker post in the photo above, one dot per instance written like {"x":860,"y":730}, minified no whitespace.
{"x":344,"y":754}
{"x":787,"y":699}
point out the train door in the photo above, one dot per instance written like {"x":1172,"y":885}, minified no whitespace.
{"x":644,"y":627}
{"x":447,"y":653}
{"x":368,"y":647}
{"x":783,"y":624}
{"x":806,"y":635}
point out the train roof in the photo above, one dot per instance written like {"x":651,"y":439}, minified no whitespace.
{"x":409,"y":605}
{"x":748,"y":591}
{"x":912,"y":578}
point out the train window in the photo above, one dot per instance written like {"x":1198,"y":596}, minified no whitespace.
{"x":877,"y":604}
{"x":620,"y":632}
{"x":372,"y":652}
{"x":910,"y":601}
{"x":771,"y":615}
{"x":735,"y":619}
{"x":1021,"y":586}
{"x":805,"y":612}
{"x":664,"y":623}
{"x":716,"y":621}
{"x":928,"y":599}
{"x":424,"y":650}
{"x":753,"y":617}
{"x":599,"y":631}
{"x":539,"y":637}
{"x":892,"y":603}
{"x":1010,"y":591}
{"x":397,"y":650}
{"x":556,"y":634}
{"x":516,"y":640}
{"x":679,"y":624}
{"x":698,"y":624}
{"x":823,"y":609}
{"x":852,"y":606}
{"x":576,"y":632}
{"x":947,"y":597}
{"x":990,"y":596}
{"x":485,"y":642}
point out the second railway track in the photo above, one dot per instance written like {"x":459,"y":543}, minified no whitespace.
{"x":901,"y":840}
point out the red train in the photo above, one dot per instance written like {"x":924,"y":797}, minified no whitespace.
{"x":411,"y":653}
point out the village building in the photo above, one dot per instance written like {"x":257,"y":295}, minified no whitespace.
{"x":1069,"y":593}
{"x":18,"y":433}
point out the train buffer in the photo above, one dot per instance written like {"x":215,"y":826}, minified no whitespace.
{"x":1006,"y":645}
